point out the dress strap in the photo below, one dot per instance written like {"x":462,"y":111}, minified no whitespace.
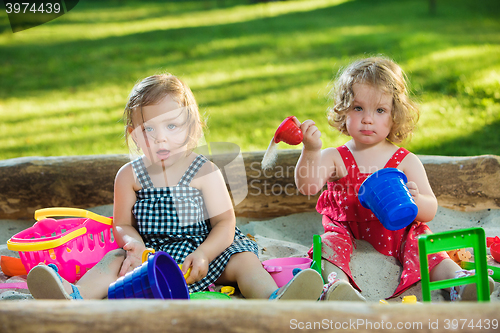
{"x":347,"y":158}
{"x":192,"y":170}
{"x":396,"y":159}
{"x":142,"y":173}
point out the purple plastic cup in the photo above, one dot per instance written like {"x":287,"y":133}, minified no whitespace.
{"x":127,"y":286}
{"x":137,"y":284}
{"x":385,"y":193}
{"x":117,"y":290}
{"x":158,"y":277}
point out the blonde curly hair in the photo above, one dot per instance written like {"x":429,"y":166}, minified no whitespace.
{"x":381,"y":73}
{"x":152,"y":90}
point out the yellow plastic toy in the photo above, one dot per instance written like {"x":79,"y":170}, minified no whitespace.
{"x":410,"y":299}
{"x":149,"y":251}
{"x":228,"y":290}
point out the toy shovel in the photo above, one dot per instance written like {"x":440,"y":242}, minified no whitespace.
{"x":316,"y":263}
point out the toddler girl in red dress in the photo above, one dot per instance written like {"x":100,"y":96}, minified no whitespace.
{"x":373,"y":107}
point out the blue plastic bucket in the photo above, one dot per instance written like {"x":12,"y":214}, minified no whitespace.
{"x":158,"y":277}
{"x":386,"y":195}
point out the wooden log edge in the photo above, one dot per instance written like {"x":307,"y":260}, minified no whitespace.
{"x":30,"y":183}
{"x":238,"y":316}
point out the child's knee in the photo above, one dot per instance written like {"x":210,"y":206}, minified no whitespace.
{"x":328,"y":268}
{"x":117,"y":255}
{"x":242,"y":263}
{"x":244,"y":259}
{"x":121,"y":253}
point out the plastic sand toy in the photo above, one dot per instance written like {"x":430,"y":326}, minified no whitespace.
{"x":74,"y":245}
{"x":384,"y":192}
{"x":316,"y":263}
{"x":493,"y":263}
{"x":209,"y":295}
{"x":410,"y":299}
{"x":158,"y":277}
{"x":224,"y":294}
{"x":281,"y":269}
{"x":12,"y":266}
{"x":495,"y":251}
{"x":288,"y":132}
{"x":449,"y":240}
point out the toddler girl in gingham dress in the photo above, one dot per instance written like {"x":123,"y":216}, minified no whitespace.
{"x":174,"y":200}
{"x":180,"y":225}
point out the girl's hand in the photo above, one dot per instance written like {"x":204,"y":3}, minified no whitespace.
{"x":419,"y":187}
{"x":311,"y":134}
{"x":134,"y":256}
{"x":413,"y":188}
{"x":198,"y":262}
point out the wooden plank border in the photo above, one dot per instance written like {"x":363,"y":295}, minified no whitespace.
{"x":243,"y":316}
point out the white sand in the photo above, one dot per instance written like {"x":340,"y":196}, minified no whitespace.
{"x":376,"y":274}
{"x":270,"y":156}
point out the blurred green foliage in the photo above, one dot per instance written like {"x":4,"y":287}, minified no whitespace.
{"x":64,"y":84}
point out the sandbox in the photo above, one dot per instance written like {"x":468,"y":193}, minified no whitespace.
{"x":282,"y":221}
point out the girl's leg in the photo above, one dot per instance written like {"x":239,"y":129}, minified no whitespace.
{"x":44,"y":282}
{"x":246,"y":270}
{"x":94,"y":284}
{"x":445,"y":270}
{"x":255,"y":282}
{"x":448,"y":269}
{"x":328,"y":268}
{"x":338,"y":289}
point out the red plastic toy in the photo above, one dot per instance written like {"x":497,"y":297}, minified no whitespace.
{"x":288,"y":132}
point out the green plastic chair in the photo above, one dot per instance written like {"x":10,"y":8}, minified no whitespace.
{"x":452,"y":240}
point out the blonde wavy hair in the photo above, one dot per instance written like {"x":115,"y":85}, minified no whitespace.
{"x":381,"y":73}
{"x":152,"y":90}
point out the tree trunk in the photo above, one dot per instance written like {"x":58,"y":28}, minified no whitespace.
{"x":30,"y":183}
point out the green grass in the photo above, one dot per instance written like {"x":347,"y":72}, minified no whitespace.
{"x":63,"y":85}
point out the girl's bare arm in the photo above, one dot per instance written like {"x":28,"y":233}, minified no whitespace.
{"x":222,"y":219}
{"x":315,"y":166}
{"x":420,"y":188}
{"x":124,"y":221}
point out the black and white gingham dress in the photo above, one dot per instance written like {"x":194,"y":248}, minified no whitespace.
{"x":174,"y":220}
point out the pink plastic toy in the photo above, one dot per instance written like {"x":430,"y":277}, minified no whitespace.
{"x":74,"y":245}
{"x":281,"y":268}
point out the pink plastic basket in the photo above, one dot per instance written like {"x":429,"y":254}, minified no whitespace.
{"x":74,"y":245}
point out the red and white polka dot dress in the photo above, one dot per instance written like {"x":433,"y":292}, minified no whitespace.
{"x":345,"y":220}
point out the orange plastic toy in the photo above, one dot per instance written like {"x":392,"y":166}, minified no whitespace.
{"x":12,"y":266}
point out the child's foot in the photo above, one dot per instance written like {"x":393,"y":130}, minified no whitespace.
{"x":45,"y":283}
{"x":340,"y":290}
{"x":307,"y":284}
{"x":467,"y":292}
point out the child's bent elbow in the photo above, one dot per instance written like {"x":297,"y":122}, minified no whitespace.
{"x":427,"y":215}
